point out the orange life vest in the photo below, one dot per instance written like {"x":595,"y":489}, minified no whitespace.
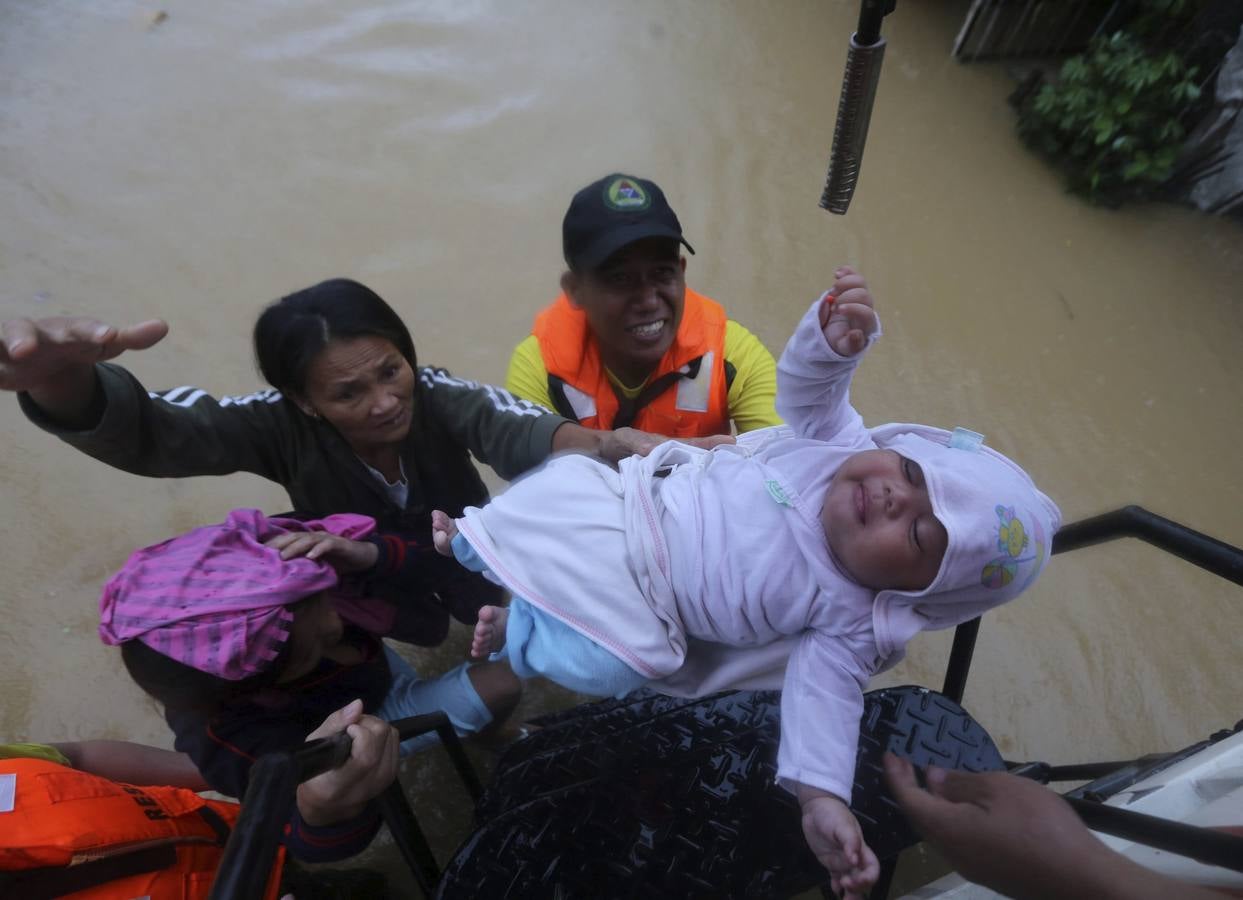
{"x":72,"y":834}
{"x":686,"y":396}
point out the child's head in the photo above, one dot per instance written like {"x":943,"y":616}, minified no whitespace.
{"x":314,"y":628}
{"x":215,"y":613}
{"x":937,"y":524}
{"x":878,"y":519}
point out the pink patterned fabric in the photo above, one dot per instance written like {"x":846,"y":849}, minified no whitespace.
{"x":215,"y":598}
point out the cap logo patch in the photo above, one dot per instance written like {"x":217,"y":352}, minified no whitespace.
{"x":1012,"y":540}
{"x":626,"y":195}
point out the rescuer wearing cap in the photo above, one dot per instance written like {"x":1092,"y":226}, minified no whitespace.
{"x":627,"y":343}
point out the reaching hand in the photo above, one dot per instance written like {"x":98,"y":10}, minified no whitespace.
{"x":834,"y":836}
{"x":999,"y":830}
{"x":341,"y":553}
{"x":617,"y":445}
{"x":848,"y":317}
{"x":1021,"y":839}
{"x":340,"y":794}
{"x":614,"y":446}
{"x":34,"y":352}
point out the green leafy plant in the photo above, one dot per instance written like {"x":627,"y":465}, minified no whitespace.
{"x":1112,"y":118}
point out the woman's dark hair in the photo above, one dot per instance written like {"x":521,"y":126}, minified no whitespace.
{"x":181,"y":687}
{"x":294,"y":329}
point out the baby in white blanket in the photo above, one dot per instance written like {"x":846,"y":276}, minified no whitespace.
{"x":804,"y":557}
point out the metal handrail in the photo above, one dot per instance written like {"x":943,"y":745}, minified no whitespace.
{"x":1206,"y":845}
{"x":1210,"y":554}
{"x":246,"y":863}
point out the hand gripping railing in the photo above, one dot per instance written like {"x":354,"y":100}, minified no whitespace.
{"x":247,"y":860}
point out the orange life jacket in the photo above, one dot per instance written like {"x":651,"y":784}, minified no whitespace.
{"x":72,"y":834}
{"x":686,"y":396}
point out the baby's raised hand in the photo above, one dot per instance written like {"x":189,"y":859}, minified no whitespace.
{"x":847,"y":315}
{"x":834,"y":836}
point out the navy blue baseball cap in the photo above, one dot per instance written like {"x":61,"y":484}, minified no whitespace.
{"x":612,"y":212}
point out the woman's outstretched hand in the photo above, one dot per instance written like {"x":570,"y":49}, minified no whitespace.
{"x":614,"y":446}
{"x":53,"y":361}
{"x":36,"y":351}
{"x":618,"y":444}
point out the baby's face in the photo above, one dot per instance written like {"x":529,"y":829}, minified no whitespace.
{"x":878,"y":520}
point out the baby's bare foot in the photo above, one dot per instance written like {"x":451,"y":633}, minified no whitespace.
{"x":489,"y":631}
{"x":444,"y":530}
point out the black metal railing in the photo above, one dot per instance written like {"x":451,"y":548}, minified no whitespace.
{"x":246,"y":864}
{"x":1206,"y":845}
{"x":1198,"y":549}
{"x":1186,"y":543}
{"x":1208,"y":553}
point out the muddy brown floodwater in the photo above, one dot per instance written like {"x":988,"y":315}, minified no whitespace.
{"x":196,"y":167}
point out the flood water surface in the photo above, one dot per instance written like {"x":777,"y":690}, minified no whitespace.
{"x":196,"y":168}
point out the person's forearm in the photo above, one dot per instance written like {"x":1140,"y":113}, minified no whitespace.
{"x":72,"y":399}
{"x":134,"y":763}
{"x":1092,"y":872}
{"x":318,"y":813}
{"x":813,"y":382}
{"x":572,"y":436}
{"x":1118,"y":878}
{"x":331,"y":843}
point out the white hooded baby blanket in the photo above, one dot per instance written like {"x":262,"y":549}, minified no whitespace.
{"x":720,"y":575}
{"x":1000,"y":530}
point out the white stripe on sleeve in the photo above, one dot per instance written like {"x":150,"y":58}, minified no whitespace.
{"x":502,"y":400}
{"x":188,"y":395}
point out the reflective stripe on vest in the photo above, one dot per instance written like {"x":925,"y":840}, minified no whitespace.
{"x":694,"y":394}
{"x":580,"y":388}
